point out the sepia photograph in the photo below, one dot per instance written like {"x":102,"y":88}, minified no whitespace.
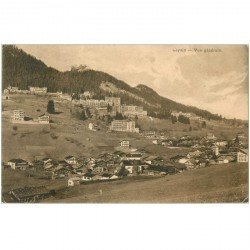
{"x":124,"y":123}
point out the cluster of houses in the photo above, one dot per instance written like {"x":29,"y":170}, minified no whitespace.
{"x":113,"y":166}
{"x":207,"y":150}
{"x":108,"y":166}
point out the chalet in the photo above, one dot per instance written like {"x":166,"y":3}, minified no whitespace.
{"x":155,"y":141}
{"x":18,"y":164}
{"x":43,"y":119}
{"x":70,"y":160}
{"x":132,"y":166}
{"x":194,"y":154}
{"x":221,"y":143}
{"x":74,"y":181}
{"x":105,"y":176}
{"x":190,"y":163}
{"x":88,"y":177}
{"x":124,"y":144}
{"x":47,"y":162}
{"x":222,"y":159}
{"x":133,"y":156}
{"x":242,"y":155}
{"x":93,"y":126}
{"x":98,"y":170}
{"x":6,"y":91}
{"x":31,"y":194}
{"x":153,"y":160}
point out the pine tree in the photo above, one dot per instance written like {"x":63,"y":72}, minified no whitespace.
{"x":51,"y":107}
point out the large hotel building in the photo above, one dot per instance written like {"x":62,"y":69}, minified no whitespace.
{"x":124,"y":126}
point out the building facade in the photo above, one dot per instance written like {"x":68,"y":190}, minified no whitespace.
{"x":133,"y":111}
{"x":38,"y":90}
{"x":124,"y":144}
{"x":124,"y":126}
{"x":18,"y":115}
{"x":114,"y":102}
{"x":93,"y":103}
{"x":242,"y":155}
{"x":43,"y":119}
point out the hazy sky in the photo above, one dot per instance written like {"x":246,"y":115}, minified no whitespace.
{"x":216,"y":81}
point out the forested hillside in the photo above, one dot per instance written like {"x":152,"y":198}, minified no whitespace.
{"x":23,"y":70}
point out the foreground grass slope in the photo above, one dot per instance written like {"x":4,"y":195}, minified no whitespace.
{"x":219,"y":183}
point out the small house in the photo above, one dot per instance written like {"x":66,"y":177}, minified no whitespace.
{"x":43,"y":119}
{"x":71,"y":160}
{"x":242,"y":155}
{"x":18,"y":164}
{"x":124,"y":144}
{"x":74,"y":181}
{"x":88,"y":177}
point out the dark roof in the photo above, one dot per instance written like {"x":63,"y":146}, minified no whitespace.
{"x":106,"y":175}
{"x":134,"y":162}
{"x":18,"y":160}
{"x":245,"y":151}
{"x":88,"y":174}
{"x":134,"y":155}
{"x":69,"y":156}
{"x":42,"y":115}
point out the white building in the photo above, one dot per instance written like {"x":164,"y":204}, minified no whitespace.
{"x":38,"y":90}
{"x":93,"y":103}
{"x":92,"y":126}
{"x":124,"y":144}
{"x":74,"y":181}
{"x":43,"y":119}
{"x":133,"y":111}
{"x":18,"y":115}
{"x":124,"y":126}
{"x":242,"y":155}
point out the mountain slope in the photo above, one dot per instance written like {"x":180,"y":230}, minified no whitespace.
{"x":23,"y":70}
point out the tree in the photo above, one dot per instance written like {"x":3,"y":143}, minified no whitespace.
{"x":109,"y":108}
{"x":173,"y":119}
{"x":183,"y":119}
{"x":203,"y":125}
{"x":119,"y":116}
{"x":190,"y":129}
{"x":51,"y":107}
{"x":82,"y":115}
{"x":88,"y":113}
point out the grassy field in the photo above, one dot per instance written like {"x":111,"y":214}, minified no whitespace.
{"x":223,"y":183}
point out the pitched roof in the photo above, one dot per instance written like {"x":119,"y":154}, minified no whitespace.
{"x":245,"y":151}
